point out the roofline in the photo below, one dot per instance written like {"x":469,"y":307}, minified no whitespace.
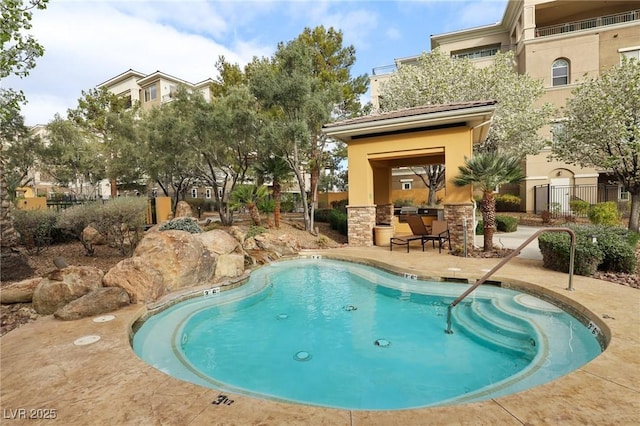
{"x":122,"y":76}
{"x":481,"y":115}
{"x":160,"y":74}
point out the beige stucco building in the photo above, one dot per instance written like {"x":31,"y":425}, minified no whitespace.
{"x":560,"y":43}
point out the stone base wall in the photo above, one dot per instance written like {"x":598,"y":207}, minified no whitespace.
{"x":360,"y":222}
{"x":384,"y":214}
{"x":454,"y":214}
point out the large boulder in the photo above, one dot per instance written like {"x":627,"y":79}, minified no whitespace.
{"x":99,"y":301}
{"x":183,"y":209}
{"x":283,"y":245}
{"x":64,"y":285}
{"x":142,"y":282}
{"x":92,"y":236}
{"x":179,"y":256}
{"x":20,"y":292}
{"x":219,"y":242}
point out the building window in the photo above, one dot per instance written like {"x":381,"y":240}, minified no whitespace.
{"x":560,"y":72}
{"x":207,"y":193}
{"x":482,"y":52}
{"x":194,"y":192}
{"x":633,"y":53}
{"x":150,"y":93}
{"x":406,"y":185}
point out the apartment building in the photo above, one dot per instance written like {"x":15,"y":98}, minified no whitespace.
{"x":151,"y":89}
{"x":561,"y":43}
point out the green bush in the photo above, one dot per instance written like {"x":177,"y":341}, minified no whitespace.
{"x":556,"y":250}
{"x":267,"y":205}
{"x":579,"y":207}
{"x":121,"y":221}
{"x":506,"y":223}
{"x":604,"y":214}
{"x":36,"y":228}
{"x":614,"y":250}
{"x":507,"y":203}
{"x":338,"y":221}
{"x":188,"y":224}
{"x":255,"y":230}
{"x":480,"y":228}
{"x":73,"y":220}
{"x":340,"y":205}
{"x":321,"y":215}
{"x":401,"y":202}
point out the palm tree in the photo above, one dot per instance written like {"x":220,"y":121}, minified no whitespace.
{"x":487,"y":171}
{"x":278,"y":170}
{"x":249,"y":196}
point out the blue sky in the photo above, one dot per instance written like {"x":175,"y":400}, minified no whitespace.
{"x":88,"y":42}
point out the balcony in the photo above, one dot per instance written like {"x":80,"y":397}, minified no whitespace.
{"x":587,"y":24}
{"x":385,"y":69}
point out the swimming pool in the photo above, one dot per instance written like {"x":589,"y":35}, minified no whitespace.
{"x":347,"y":335}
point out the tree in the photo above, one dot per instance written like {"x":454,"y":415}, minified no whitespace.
{"x":486,"y":172}
{"x":111,"y":120}
{"x":249,"y":196}
{"x":278,"y":171}
{"x":433,"y":178}
{"x":602,"y":129}
{"x":438,"y":78}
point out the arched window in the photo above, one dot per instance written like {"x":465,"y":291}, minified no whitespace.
{"x":560,"y":72}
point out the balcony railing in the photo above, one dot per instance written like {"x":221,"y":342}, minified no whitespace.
{"x":590,"y":23}
{"x":385,"y":69}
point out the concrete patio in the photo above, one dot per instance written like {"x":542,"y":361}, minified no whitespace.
{"x":44,"y":374}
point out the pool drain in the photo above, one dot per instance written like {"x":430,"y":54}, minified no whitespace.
{"x":86,"y":340}
{"x":283,"y":316}
{"x":349,"y":308}
{"x":302,"y":356}
{"x":383,"y":343}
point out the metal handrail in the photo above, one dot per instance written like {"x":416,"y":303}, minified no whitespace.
{"x":509,"y":257}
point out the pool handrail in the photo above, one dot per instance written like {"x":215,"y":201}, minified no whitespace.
{"x":511,"y":255}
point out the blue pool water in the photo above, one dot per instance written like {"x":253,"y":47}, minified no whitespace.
{"x":346,"y":335}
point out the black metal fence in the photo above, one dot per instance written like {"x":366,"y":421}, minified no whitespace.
{"x":556,"y":198}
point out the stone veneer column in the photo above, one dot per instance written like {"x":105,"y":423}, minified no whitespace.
{"x":360,"y":223}
{"x":384,"y":214}
{"x":454,"y":214}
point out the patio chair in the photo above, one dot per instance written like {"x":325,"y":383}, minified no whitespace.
{"x":439,"y":233}
{"x":418,"y":229}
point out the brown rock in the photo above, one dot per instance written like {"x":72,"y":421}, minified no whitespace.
{"x":179,"y":256}
{"x":219,"y":242}
{"x":20,"y":292}
{"x":15,"y":265}
{"x":99,"y":301}
{"x":282,"y":245}
{"x":183,"y":209}
{"x":64,"y":285}
{"x":229,"y":266}
{"x":92,"y":236}
{"x":142,"y":282}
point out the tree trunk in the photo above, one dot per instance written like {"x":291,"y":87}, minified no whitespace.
{"x":254,"y":213}
{"x":488,"y":208}
{"x":634,"y":215}
{"x":277,"y":198}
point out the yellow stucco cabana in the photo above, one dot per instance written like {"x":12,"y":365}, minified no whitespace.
{"x":433,"y":134}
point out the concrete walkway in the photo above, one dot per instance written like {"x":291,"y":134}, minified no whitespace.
{"x":48,"y":379}
{"x":512,"y":240}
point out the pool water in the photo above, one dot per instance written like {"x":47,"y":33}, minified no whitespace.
{"x":346,"y":335}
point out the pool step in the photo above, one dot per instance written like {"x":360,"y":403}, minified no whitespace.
{"x":485,"y":322}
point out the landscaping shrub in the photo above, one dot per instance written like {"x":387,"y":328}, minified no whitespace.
{"x":121,"y":221}
{"x":579,"y":207}
{"x":36,"y":228}
{"x":340,"y":205}
{"x":614,"y":250}
{"x":188,"y":224}
{"x":73,"y":220}
{"x":546,"y":217}
{"x":604,"y":214}
{"x":401,"y":202}
{"x":556,"y":249}
{"x":194,"y":203}
{"x":321,"y":215}
{"x":480,"y":228}
{"x":507,"y":203}
{"x":255,"y":230}
{"x":506,"y":223}
{"x":338,"y":221}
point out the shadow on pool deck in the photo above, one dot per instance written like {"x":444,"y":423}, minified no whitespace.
{"x":44,"y":374}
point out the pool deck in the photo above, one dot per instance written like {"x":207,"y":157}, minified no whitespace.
{"x":104,"y":383}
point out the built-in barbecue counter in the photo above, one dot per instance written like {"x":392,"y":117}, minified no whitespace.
{"x":428,"y":215}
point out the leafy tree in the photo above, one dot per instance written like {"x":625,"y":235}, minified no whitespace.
{"x":22,"y":153}
{"x":602,"y":129}
{"x":331,"y":66}
{"x":249,"y":196}
{"x":168,"y":135}
{"x":70,"y":157}
{"x":438,"y":78}
{"x":111,"y":120}
{"x":487,"y":171}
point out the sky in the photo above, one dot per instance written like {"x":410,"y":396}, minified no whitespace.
{"x":87,"y":42}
